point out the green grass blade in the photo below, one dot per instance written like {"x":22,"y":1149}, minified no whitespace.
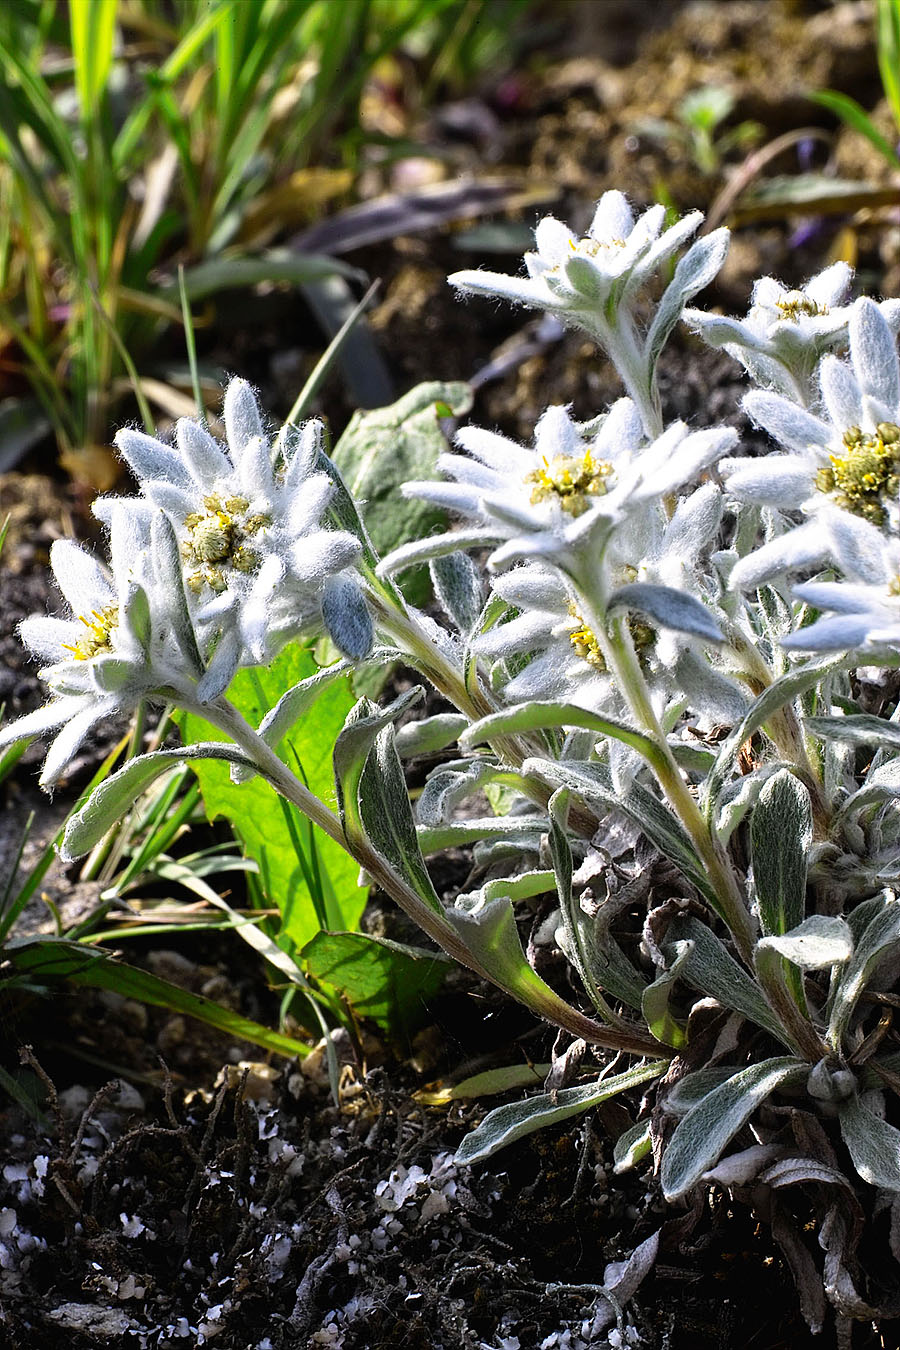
{"x":887,"y":20}
{"x":853,"y":115}
{"x":93,"y":26}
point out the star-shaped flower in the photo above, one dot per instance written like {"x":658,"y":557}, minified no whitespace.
{"x":842,"y":473}
{"x":571,"y":490}
{"x":787,"y":332}
{"x":257,"y":562}
{"x":864,"y":611}
{"x":126,"y":637}
{"x":618,"y":254}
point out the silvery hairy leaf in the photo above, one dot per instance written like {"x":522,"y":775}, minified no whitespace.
{"x":655,"y":1002}
{"x":578,"y":926}
{"x":521,"y":833}
{"x":738,"y":797}
{"x":430,"y":734}
{"x":459,"y":589}
{"x":818,"y":942}
{"x":594,"y":784}
{"x":712,"y":970}
{"x":876,"y":930}
{"x":667,"y":607}
{"x":882,"y":785}
{"x":684,"y":1095}
{"x":780,"y":836}
{"x":873,"y":1144}
{"x":858,"y":729}
{"x":347,"y":616}
{"x":699,"y":266}
{"x":450,"y":784}
{"x":631,"y":1147}
{"x":704,"y":1133}
{"x":546,"y":715}
{"x":781,"y":691}
{"x":490,"y":936}
{"x":515,"y":1120}
{"x":115,"y":795}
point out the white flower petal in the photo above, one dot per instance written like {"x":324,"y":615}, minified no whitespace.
{"x":554,"y":241}
{"x":522,"y":290}
{"x":787,"y":423}
{"x":526,"y":633}
{"x":63,"y":747}
{"x":48,"y":637}
{"x":316,"y":556}
{"x":85,"y":584}
{"x":208,"y":464}
{"x":829,"y":288}
{"x":496,"y":451}
{"x":873,"y":350}
{"x":243,"y":423}
{"x":149,"y":459}
{"x":804,"y":546}
{"x":785,"y":481}
{"x":613,"y":218}
{"x":841,"y":393}
{"x":51,"y":715}
{"x":843,"y":632}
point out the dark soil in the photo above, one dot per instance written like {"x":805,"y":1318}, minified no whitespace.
{"x":173,"y":1190}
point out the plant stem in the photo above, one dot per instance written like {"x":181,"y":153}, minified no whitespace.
{"x":555,"y":1009}
{"x":622,"y":663}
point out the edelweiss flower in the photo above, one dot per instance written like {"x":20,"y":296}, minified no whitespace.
{"x":847,"y":466}
{"x":122,"y":642}
{"x":257,"y":563}
{"x":568,"y":273}
{"x":786,"y":333}
{"x":656,"y":585}
{"x":865,"y":611}
{"x":571,"y":490}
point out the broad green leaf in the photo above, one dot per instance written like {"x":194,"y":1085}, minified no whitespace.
{"x":383,"y":980}
{"x":108,"y":803}
{"x":517,"y":1119}
{"x":707,"y":1129}
{"x":56,"y":959}
{"x":314,"y":886}
{"x":873,"y":1144}
{"x":386,"y":447}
